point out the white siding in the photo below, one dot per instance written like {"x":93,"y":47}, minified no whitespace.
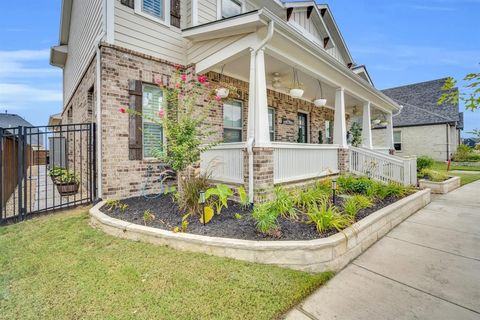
{"x":334,"y":52}
{"x":139,"y":33}
{"x":85,"y":27}
{"x":186,"y":9}
{"x":300,"y":17}
{"x":207,"y":11}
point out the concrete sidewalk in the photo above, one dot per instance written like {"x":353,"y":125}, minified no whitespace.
{"x":428,"y":267}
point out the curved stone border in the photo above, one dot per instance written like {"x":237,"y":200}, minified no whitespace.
{"x":441,"y":187}
{"x":332,"y":253}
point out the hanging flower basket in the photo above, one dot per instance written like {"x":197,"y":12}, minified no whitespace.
{"x":376,"y":121}
{"x":296,"y":92}
{"x":222,"y":92}
{"x":320,"y":102}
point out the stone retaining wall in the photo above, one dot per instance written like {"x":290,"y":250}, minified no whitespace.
{"x":332,"y":253}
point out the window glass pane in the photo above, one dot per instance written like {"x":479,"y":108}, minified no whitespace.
{"x":152,"y":103}
{"x":232,"y":114}
{"x":154,"y":7}
{"x":231,"y":8}
{"x":327,"y":129}
{"x":302,"y":128}
{"x":232,"y":135}
{"x":271,"y":123}
{"x":397,"y":137}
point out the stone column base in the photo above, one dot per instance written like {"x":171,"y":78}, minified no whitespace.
{"x":343,"y":160}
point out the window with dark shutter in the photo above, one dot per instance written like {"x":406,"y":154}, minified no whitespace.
{"x":128,"y":3}
{"x":135,"y":121}
{"x":175,"y":13}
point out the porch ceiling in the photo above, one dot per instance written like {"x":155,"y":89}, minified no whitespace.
{"x":239,"y":68}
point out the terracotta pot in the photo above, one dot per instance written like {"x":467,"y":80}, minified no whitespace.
{"x":67,"y":189}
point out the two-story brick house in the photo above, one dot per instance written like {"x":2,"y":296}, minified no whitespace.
{"x":113,"y":51}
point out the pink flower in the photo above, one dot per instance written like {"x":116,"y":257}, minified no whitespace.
{"x":183,"y":77}
{"x":161,"y":114}
{"x":159,"y":82}
{"x":202,"y":79}
{"x":218,"y":98}
{"x":177,"y":85}
{"x":122,"y":110}
{"x":178,"y":66}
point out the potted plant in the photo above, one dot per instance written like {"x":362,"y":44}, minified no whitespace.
{"x":67,"y":183}
{"x":55,"y":173}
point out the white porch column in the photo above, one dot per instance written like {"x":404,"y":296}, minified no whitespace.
{"x":366,"y":126}
{"x":262,"y":134}
{"x":340,"y":123}
{"x":251,"y":96}
{"x":390,"y":131}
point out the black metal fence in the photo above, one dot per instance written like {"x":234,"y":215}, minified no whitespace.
{"x":28,"y":158}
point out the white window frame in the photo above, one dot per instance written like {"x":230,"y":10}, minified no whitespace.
{"x":241,"y":119}
{"x":273,"y":124}
{"x":307,"y":124}
{"x":401,"y":141}
{"x":164,"y":140}
{"x":166,"y":19}
{"x":219,"y":8}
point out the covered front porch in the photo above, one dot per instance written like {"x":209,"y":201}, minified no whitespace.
{"x":274,"y":138}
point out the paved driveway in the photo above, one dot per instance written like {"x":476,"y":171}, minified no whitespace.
{"x":428,"y":267}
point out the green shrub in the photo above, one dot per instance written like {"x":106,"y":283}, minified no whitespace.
{"x":356,"y":203}
{"x":218,"y":197}
{"x":463,"y":153}
{"x":435,"y":176}
{"x":391,"y":189}
{"x":351,"y":184}
{"x":326,"y":217}
{"x":303,"y":199}
{"x":265,"y":216}
{"x":424,"y":162}
{"x":284,"y":203}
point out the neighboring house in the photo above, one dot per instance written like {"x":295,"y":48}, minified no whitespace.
{"x":423,"y":128}
{"x":8,"y":121}
{"x":113,"y":51}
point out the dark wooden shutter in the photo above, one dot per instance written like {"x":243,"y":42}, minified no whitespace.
{"x":128,"y":3}
{"x":135,"y":137}
{"x":175,"y":13}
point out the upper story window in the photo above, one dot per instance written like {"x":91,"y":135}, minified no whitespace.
{"x":158,"y":10}
{"x":230,"y":8}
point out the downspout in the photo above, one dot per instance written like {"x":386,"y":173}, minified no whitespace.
{"x":448,"y":141}
{"x":398,"y":112}
{"x":251,"y":139}
{"x":98,"y":110}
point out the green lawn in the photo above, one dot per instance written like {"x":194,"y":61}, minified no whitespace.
{"x":58,"y":267}
{"x":443,"y":166}
{"x":466,"y":177}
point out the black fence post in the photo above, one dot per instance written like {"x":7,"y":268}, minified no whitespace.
{"x":94,"y":160}
{"x":2,"y":183}
{"x":25,"y":170}
{"x":19,"y":143}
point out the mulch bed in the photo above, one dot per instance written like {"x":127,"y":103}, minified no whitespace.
{"x":168,"y":216}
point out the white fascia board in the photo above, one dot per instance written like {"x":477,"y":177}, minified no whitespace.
{"x":244,"y":23}
{"x":362,"y":69}
{"x":65,"y":20}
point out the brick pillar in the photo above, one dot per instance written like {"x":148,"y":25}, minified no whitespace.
{"x":343,"y":160}
{"x":262,"y":173}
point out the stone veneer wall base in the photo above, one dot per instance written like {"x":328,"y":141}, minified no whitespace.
{"x":332,"y":253}
{"x":441,"y":187}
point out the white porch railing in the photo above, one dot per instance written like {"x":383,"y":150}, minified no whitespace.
{"x":382,"y":167}
{"x":224,"y":162}
{"x":299,"y":161}
{"x":384,"y":150}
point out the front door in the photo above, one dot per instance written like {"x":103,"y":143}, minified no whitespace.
{"x":302,"y":128}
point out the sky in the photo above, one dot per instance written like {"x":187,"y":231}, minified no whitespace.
{"x":400,"y":42}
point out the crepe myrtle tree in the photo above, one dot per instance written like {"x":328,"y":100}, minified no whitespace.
{"x":471,"y":98}
{"x":183,"y":124}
